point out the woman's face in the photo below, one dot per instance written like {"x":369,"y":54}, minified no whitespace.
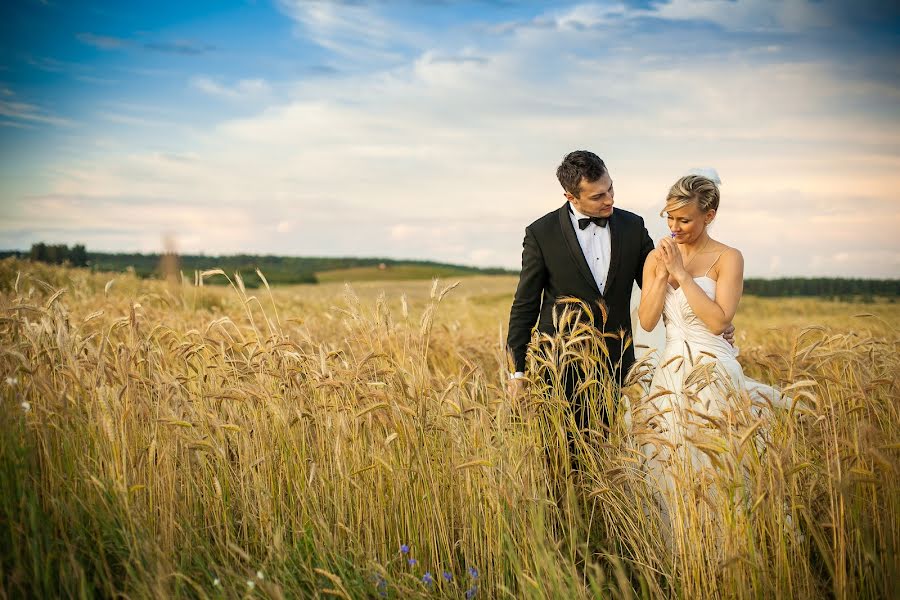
{"x":688,"y":223}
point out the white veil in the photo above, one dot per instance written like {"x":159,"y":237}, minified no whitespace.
{"x":708,"y":172}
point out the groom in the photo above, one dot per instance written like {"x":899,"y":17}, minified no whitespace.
{"x":586,"y":250}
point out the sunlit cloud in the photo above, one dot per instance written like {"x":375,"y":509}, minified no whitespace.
{"x":351,"y":30}
{"x":240,"y":90}
{"x":24,"y":113}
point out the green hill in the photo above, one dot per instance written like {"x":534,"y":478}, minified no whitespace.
{"x":279,"y":270}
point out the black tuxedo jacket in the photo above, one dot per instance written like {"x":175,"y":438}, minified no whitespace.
{"x":553,"y":266}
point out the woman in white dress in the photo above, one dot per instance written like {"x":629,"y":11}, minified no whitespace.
{"x":700,"y":403}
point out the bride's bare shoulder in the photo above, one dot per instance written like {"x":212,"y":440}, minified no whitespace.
{"x":730,"y":259}
{"x":725,"y":251}
{"x":731,"y":253}
{"x":726,"y":260}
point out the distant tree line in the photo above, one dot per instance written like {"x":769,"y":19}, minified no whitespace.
{"x":277,"y":269}
{"x":59,"y":254}
{"x":822,"y":286}
{"x":296,"y":269}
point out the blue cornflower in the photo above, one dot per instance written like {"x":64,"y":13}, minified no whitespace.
{"x":404,"y":549}
{"x":381,"y":586}
{"x":470,"y":593}
{"x":427,"y":579}
{"x":448,"y":576}
{"x":412,"y":562}
{"x":473,"y":572}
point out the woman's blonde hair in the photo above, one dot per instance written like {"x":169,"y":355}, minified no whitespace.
{"x":690,"y":188}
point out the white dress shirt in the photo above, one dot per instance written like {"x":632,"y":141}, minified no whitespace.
{"x":596,"y":245}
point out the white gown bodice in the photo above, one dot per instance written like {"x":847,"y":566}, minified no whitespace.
{"x":683,"y":326}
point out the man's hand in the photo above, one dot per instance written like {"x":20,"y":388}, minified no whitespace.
{"x":516,"y":387}
{"x":728,"y":334}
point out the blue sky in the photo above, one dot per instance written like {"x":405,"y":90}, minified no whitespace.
{"x":433,"y":129}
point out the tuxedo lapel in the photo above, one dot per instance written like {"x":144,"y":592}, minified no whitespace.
{"x":615,"y":242}
{"x":568,"y":233}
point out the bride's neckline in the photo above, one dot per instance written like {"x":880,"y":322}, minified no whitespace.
{"x":694,"y":278}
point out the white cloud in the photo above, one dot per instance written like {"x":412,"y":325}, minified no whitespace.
{"x":30,"y":113}
{"x":241,"y":90}
{"x":732,"y":15}
{"x":748,"y":15}
{"x":140,"y":121}
{"x":15,"y":124}
{"x":586,"y":15}
{"x":864,"y":263}
{"x":138,"y":224}
{"x":351,"y":30}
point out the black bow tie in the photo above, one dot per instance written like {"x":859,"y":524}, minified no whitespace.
{"x":583,"y":223}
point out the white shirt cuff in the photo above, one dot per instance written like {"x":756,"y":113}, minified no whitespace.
{"x":517,"y":375}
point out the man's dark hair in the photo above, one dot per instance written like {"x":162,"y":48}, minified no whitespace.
{"x":579,"y":165}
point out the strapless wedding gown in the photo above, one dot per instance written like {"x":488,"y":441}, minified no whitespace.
{"x":698,"y":407}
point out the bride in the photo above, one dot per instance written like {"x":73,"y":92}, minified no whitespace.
{"x":698,"y":390}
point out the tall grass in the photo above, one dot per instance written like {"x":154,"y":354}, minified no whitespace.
{"x":181,"y":441}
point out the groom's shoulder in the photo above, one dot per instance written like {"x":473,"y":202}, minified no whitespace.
{"x":548,"y":220}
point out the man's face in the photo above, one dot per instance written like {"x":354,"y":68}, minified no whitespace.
{"x":595,"y":198}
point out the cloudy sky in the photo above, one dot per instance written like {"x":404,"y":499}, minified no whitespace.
{"x":432,"y":129}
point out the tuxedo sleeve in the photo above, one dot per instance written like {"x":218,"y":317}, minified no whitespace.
{"x":527,"y":302}
{"x":646,"y":249}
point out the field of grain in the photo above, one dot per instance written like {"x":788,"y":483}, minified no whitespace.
{"x":163,"y":440}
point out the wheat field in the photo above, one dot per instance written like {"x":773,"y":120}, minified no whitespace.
{"x":175,"y":440}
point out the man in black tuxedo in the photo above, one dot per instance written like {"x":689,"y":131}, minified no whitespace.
{"x":585,"y":250}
